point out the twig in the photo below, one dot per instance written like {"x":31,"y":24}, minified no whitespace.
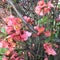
{"x":20,"y":16}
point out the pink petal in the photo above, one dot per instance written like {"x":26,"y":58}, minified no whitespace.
{"x":41,"y":13}
{"x":1,"y":44}
{"x":4,"y":58}
{"x":9,"y":29}
{"x":49,"y":4}
{"x":45,"y":58}
{"x":28,"y":33}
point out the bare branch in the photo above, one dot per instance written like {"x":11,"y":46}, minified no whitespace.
{"x":20,"y":16}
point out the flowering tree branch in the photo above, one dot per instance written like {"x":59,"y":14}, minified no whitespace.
{"x":20,"y":15}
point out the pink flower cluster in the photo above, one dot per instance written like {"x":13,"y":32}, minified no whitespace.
{"x":3,"y":44}
{"x":13,"y":56}
{"x":13,"y":23}
{"x":22,"y":36}
{"x":48,"y":49}
{"x":39,"y":29}
{"x":29,"y":20}
{"x":13,"y":28}
{"x":6,"y":44}
{"x":42,"y":8}
{"x":42,"y":30}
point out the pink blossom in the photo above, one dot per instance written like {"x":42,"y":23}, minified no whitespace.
{"x":41,"y":13}
{"x":49,"y":4}
{"x":15,"y":54}
{"x":25,"y":35}
{"x":46,"y":10}
{"x":11,"y":20}
{"x":28,"y":33}
{"x":36,"y":27}
{"x":13,"y":23}
{"x":4,"y":44}
{"x":37,"y":10}
{"x":17,"y":32}
{"x":49,"y":50}
{"x":10,"y":23}
{"x":1,"y":44}
{"x":17,"y":27}
{"x":9,"y":29}
{"x":47,"y":33}
{"x":15,"y":36}
{"x":4,"y":58}
{"x":46,"y":58}
{"x":18,"y":58}
{"x":22,"y":36}
{"x":29,"y":20}
{"x":41,"y":3}
{"x":11,"y":17}
{"x":39,"y":29}
{"x":43,"y":8}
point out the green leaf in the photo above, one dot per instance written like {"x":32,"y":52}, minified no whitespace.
{"x":59,"y":5}
{"x":14,"y":0}
{"x":0,"y":57}
{"x":51,"y":57}
{"x":3,"y":30}
{"x":43,"y":20}
{"x":56,"y":34}
{"x":47,"y":39}
{"x":1,"y":35}
{"x":58,"y":23}
{"x":3,"y":50}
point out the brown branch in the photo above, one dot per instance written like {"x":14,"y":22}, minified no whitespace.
{"x":20,"y":16}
